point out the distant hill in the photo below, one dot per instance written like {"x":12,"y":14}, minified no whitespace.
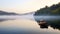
{"x":52,"y":10}
{"x":29,"y":13}
{"x":7,"y":13}
{"x":10,"y":13}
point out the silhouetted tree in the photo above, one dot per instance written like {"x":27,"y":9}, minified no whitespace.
{"x":52,"y":10}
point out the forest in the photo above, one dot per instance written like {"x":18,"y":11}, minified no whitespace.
{"x":53,"y":10}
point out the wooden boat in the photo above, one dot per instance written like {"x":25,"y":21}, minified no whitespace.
{"x":42,"y":22}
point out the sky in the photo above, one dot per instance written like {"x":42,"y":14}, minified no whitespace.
{"x":24,"y":6}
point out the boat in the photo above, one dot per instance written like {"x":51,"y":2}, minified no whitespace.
{"x":42,"y":22}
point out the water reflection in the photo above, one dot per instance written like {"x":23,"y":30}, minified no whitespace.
{"x":1,"y":20}
{"x":43,"y":26}
{"x":54,"y":23}
{"x":24,"y":26}
{"x":28,"y":26}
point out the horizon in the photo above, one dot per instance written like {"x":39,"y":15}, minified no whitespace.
{"x":25,"y":6}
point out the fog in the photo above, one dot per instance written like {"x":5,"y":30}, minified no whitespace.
{"x":47,"y":17}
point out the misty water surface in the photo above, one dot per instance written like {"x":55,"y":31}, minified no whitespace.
{"x":24,"y":25}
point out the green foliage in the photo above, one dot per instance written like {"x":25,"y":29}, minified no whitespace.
{"x":52,"y":10}
{"x":57,"y":11}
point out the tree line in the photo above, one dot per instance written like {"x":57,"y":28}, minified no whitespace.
{"x":52,"y":10}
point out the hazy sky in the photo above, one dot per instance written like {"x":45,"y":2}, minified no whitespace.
{"x":22,"y":6}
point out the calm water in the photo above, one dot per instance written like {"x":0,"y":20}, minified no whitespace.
{"x":24,"y":25}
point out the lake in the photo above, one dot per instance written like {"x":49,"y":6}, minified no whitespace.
{"x":26,"y":25}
